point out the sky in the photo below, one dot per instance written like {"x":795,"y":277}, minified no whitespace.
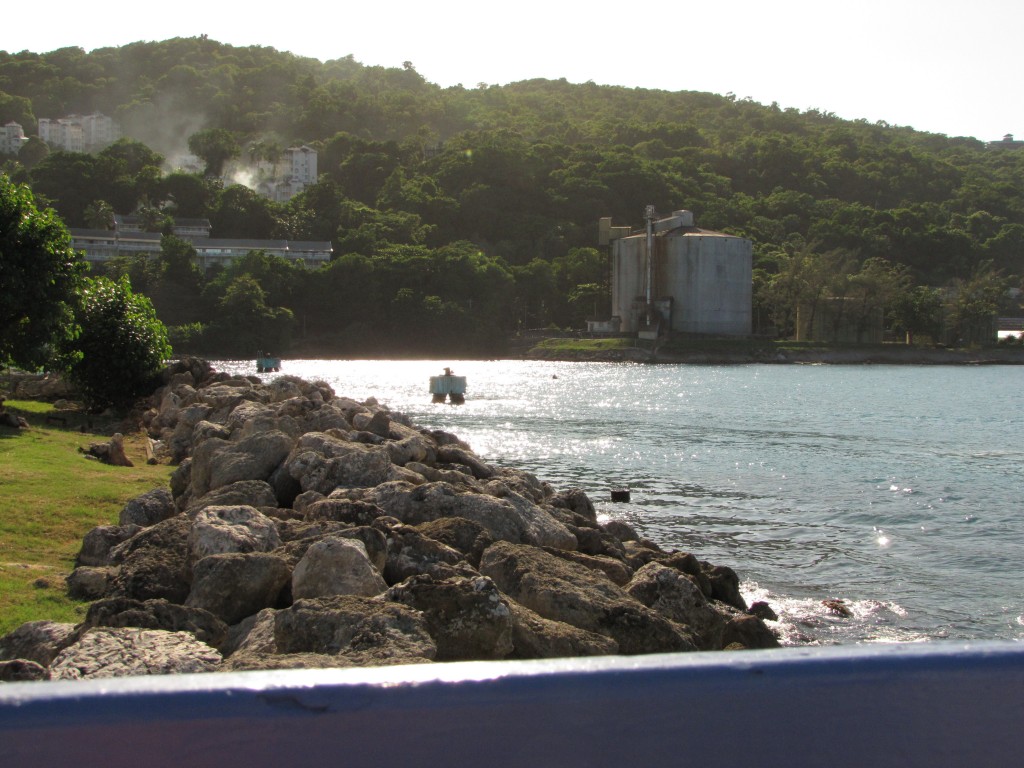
{"x":939,"y":66}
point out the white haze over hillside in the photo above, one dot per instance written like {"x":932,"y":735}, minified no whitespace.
{"x":941,"y":67}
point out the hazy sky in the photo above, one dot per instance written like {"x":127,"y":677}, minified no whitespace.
{"x":939,"y":66}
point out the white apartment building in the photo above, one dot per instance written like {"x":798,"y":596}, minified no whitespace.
{"x":294,"y":171}
{"x":12,"y":138}
{"x":299,"y":164}
{"x":62,"y":133}
{"x":79,"y":133}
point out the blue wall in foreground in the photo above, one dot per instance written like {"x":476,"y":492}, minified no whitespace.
{"x":920,"y":705}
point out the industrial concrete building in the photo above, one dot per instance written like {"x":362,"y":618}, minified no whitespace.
{"x":674,"y":276}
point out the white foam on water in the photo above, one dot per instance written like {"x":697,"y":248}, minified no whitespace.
{"x":829,"y":621}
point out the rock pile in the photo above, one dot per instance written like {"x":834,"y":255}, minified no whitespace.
{"x":303,"y":529}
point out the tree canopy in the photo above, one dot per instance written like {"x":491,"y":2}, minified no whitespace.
{"x":39,"y":277}
{"x":122,"y":345}
{"x":520,"y":172}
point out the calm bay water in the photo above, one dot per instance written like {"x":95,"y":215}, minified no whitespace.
{"x":896,"y":489}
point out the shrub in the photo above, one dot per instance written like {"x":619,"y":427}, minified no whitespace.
{"x":121,"y":348}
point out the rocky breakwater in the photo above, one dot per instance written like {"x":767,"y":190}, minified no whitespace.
{"x":303,"y":529}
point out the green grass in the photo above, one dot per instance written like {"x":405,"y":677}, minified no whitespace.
{"x":50,"y":496}
{"x":585,"y":345}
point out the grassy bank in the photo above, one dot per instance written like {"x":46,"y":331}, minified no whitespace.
{"x":707,"y":349}
{"x":50,"y":496}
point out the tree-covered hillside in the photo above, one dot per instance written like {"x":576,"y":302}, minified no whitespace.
{"x":504,"y":185}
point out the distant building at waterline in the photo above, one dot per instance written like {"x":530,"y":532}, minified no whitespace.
{"x":673,"y":276}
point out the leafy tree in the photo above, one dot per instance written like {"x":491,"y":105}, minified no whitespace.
{"x":246,"y":324}
{"x":977,"y":300}
{"x":33,"y":152}
{"x":179,"y":262}
{"x":72,"y":180}
{"x":520,"y":172}
{"x":240,"y":212}
{"x":99,"y":214}
{"x":189,"y":194}
{"x":122,"y":346}
{"x":875,"y":288}
{"x":214,"y":146}
{"x":39,"y":277}
{"x":918,"y":311}
{"x":535,"y":293}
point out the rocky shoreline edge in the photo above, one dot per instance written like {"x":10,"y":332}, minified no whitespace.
{"x":894,"y":355}
{"x":306,"y":530}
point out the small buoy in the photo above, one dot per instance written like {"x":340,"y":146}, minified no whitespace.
{"x":620,"y":494}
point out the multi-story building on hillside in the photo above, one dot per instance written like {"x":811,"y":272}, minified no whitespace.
{"x":300,"y":164}
{"x":295,"y":170}
{"x":12,"y":138}
{"x":79,"y":133}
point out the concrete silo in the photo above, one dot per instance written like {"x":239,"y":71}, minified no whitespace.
{"x":674,"y":276}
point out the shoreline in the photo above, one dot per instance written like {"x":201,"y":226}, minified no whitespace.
{"x":828,"y":356}
{"x":706,"y":357}
{"x":304,"y":529}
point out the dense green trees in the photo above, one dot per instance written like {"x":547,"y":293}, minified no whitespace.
{"x":39,"y":278}
{"x":415,"y":179}
{"x":215,"y":146}
{"x":121,"y":347}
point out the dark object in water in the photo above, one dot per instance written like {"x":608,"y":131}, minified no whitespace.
{"x":448,"y":386}
{"x":620,"y":494}
{"x":267,"y":363}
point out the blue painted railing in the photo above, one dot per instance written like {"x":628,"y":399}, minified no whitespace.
{"x":918,"y":705}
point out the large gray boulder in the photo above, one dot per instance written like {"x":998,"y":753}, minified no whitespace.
{"x":336,"y":566}
{"x":514,"y":518}
{"x":361,"y":627}
{"x":238,"y":528}
{"x":155,"y":562}
{"x":179,"y":435}
{"x":22,"y":671}
{"x":298,"y":536}
{"x":98,"y":543}
{"x":343,"y":511}
{"x":88,"y":582}
{"x":38,"y":641}
{"x":412,"y":448}
{"x":534,"y":637}
{"x":564,"y":591}
{"x":749,"y":632}
{"x":148,"y":509}
{"x":155,"y":614}
{"x":411,"y":553}
{"x":124,"y":652}
{"x":676,"y":597}
{"x":322,"y":462}
{"x":467,"y":617}
{"x":725,"y":585}
{"x":251,"y":417}
{"x":234,"y":585}
{"x":251,"y":493}
{"x":465,"y":536}
{"x":253,"y":634}
{"x":217,"y":462}
{"x":225,"y":396}
{"x":451,"y":454}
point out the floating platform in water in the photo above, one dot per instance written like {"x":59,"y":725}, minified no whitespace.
{"x":448,"y":386}
{"x":267,"y":363}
